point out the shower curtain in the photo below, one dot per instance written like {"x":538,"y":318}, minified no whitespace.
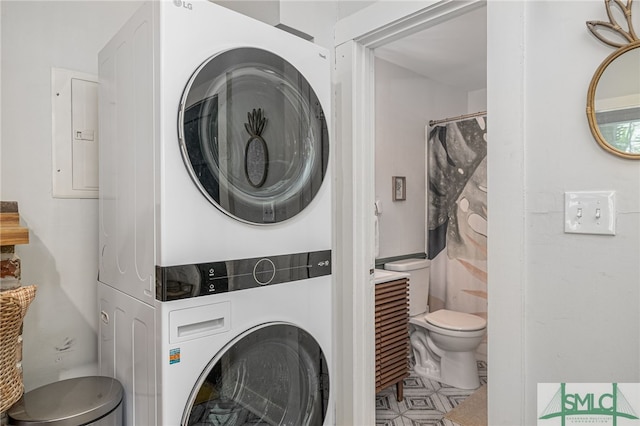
{"x":457,"y":216}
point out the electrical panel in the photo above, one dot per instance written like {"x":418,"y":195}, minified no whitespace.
{"x":74,"y":101}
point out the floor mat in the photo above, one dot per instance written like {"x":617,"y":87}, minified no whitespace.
{"x":472,"y":411}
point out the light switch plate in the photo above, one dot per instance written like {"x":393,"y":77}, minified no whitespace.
{"x":590,"y":212}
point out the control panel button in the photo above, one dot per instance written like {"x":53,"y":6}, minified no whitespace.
{"x":264,"y":271}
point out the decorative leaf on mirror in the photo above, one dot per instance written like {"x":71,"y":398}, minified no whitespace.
{"x":613,"y":98}
{"x":256,"y":153}
{"x":601,"y":29}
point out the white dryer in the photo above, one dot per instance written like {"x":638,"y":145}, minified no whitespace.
{"x":215,"y":219}
{"x":214,"y":143}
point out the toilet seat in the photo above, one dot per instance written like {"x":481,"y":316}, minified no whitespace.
{"x":457,"y":321}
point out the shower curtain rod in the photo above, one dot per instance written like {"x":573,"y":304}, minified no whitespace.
{"x":460,"y":117}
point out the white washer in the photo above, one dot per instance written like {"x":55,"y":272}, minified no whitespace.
{"x":215,"y":218}
{"x":257,"y":356}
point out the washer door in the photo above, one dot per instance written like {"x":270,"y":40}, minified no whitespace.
{"x":275,"y":374}
{"x":253,"y":135}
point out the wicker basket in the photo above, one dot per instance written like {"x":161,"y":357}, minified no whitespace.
{"x":13,"y":308}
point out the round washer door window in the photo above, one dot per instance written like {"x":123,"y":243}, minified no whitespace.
{"x":253,"y":136}
{"x":272,"y":375}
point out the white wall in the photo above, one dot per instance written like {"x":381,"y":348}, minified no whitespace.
{"x":61,"y":325}
{"x":349,"y":7}
{"x":583,"y":291}
{"x":314,"y":18}
{"x":575,"y":297}
{"x":405,"y":102}
{"x":477,"y":101}
{"x":267,"y":11}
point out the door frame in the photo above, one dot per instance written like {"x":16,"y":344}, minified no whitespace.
{"x":354,"y":155}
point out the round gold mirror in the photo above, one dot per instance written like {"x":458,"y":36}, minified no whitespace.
{"x":613,"y":100}
{"x":613,"y":103}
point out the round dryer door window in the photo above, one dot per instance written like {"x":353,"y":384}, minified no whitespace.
{"x":253,"y":136}
{"x":273,"y":375}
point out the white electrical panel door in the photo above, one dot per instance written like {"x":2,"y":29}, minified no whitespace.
{"x":84,"y":126}
{"x":74,"y":100}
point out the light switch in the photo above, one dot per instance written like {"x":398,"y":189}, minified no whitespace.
{"x":590,"y":212}
{"x":87,"y":135}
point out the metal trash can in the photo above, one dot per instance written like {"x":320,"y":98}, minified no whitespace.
{"x":93,"y":400}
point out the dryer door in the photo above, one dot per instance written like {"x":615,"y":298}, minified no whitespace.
{"x":275,"y":374}
{"x":253,"y":135}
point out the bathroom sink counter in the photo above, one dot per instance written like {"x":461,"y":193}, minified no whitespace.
{"x":391,"y":329}
{"x":383,"y":276}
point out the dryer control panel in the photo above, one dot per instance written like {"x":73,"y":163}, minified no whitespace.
{"x":202,"y":279}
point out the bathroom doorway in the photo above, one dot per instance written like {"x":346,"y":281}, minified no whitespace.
{"x":430,"y":105}
{"x":366,"y":51}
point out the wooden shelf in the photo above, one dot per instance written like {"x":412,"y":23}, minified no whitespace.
{"x":11,"y":233}
{"x":392,"y":334}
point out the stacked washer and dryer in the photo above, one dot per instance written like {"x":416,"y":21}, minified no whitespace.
{"x":214,"y":281}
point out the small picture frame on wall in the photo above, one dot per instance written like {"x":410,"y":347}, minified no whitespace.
{"x":399,"y":188}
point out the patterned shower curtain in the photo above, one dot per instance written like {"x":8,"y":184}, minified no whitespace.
{"x":457,"y":216}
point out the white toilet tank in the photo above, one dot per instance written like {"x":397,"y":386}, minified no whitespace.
{"x":418,"y":269}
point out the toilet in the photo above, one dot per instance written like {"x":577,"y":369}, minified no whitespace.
{"x":443,"y":342}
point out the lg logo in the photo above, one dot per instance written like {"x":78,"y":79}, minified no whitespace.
{"x":180,"y":3}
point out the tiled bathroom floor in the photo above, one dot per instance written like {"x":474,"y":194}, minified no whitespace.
{"x":425,"y":401}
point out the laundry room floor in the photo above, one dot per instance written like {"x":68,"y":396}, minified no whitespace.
{"x":425,"y":401}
